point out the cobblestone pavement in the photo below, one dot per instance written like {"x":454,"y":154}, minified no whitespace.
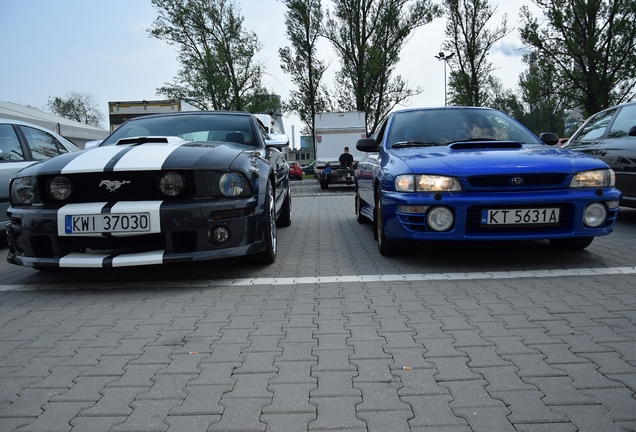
{"x":332,"y":337}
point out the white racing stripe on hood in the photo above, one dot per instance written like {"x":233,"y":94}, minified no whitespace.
{"x":92,"y":160}
{"x":145,"y":157}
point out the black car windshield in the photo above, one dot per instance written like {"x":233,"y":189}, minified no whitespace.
{"x":195,"y":127}
{"x":443,"y":126}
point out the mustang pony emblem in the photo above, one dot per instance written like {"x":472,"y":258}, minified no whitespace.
{"x":113,"y":185}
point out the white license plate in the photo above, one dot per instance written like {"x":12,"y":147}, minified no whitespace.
{"x":527,"y":216}
{"x":107,"y":223}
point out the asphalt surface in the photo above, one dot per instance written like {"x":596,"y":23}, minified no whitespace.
{"x":331,"y":337}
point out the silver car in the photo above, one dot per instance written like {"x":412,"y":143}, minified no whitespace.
{"x":23,"y":144}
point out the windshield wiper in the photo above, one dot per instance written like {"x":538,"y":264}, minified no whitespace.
{"x":400,"y":144}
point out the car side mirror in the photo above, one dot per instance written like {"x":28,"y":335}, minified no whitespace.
{"x":632,"y":131}
{"x":1,"y":155}
{"x":550,"y":138}
{"x":277,"y":140}
{"x":92,"y":144}
{"x":367,"y":145}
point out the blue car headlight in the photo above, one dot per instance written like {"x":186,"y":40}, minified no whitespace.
{"x":594,"y":179}
{"x":426,"y":183}
{"x":23,"y":190}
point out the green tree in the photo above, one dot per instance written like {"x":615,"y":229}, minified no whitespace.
{"x":540,"y":87}
{"x":304,"y":23}
{"x":78,"y":106}
{"x":368,"y":36}
{"x":471,"y":81}
{"x":592,"y":44}
{"x":218,"y":66}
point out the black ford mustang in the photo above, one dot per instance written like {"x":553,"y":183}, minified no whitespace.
{"x":186,"y":186}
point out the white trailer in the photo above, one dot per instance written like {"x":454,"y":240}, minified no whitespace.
{"x":119,"y":112}
{"x":334,"y":132}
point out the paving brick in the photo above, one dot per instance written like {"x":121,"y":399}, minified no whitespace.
{"x":167,"y":387}
{"x":559,"y":391}
{"x":470,"y":394}
{"x":291,"y":399}
{"x":335,"y":384}
{"x":419,"y":382}
{"x":619,"y":402}
{"x":29,"y":403}
{"x":610,"y":363}
{"x":440,"y":348}
{"x":453,"y":369}
{"x":486,"y":419}
{"x":96,"y":424}
{"x":190,"y":423}
{"x":148,"y":416}
{"x":526,"y":406}
{"x":382,"y":421}
{"x":510,"y":345}
{"x":336,"y":413}
{"x":558,"y":354}
{"x":57,"y":417}
{"x":433,"y":411}
{"x":588,"y":418}
{"x":115,"y":402}
{"x":241,"y":414}
{"x":586,"y":376}
{"x":201,"y":400}
{"x":532,"y":365}
{"x":288,"y":422}
{"x":85,"y":389}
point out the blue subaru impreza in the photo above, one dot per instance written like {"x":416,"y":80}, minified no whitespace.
{"x":469,"y":173}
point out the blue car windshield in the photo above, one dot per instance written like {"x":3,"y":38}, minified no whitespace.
{"x":440,"y":127}
{"x":196,"y":127}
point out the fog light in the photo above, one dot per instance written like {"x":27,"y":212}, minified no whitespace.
{"x":219,"y":235}
{"x":20,"y":244}
{"x":594,"y":215}
{"x":440,"y":218}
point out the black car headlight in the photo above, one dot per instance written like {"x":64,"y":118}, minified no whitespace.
{"x":23,"y":190}
{"x":171,"y":184}
{"x":594,"y":179}
{"x":229,"y":184}
{"x":59,"y":188}
{"x":426,"y":183}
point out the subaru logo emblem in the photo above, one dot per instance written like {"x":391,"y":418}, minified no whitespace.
{"x":517,"y":181}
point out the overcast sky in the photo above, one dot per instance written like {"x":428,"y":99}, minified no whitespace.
{"x":102,"y":47}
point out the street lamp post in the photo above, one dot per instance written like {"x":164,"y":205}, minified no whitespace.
{"x":444,"y":57}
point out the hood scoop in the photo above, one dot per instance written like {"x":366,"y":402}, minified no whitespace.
{"x":150,"y":139}
{"x":486,"y":145}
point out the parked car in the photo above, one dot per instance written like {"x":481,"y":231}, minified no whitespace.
{"x":295,"y":171}
{"x":467,"y":173}
{"x":186,"y":186}
{"x":310,"y":169}
{"x":23,"y":144}
{"x":610,"y":135}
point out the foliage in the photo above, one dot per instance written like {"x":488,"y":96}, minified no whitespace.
{"x":368,"y":36}
{"x":592,"y":45}
{"x":218,"y":66}
{"x":304,"y":22}
{"x":471,"y":81}
{"x":78,"y":106}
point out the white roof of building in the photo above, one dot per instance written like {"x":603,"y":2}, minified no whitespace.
{"x":67,"y":128}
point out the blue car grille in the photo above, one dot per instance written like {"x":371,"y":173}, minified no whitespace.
{"x":140,"y":186}
{"x":517,"y":182}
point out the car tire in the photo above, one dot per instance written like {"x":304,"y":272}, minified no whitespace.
{"x":574,"y":243}
{"x":284,"y":220}
{"x":324,"y":184}
{"x":363,"y":220}
{"x":268,"y":256}
{"x":385,"y":246}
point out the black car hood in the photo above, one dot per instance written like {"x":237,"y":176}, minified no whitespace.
{"x":147,"y":156}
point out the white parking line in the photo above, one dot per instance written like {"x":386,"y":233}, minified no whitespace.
{"x":415,"y":277}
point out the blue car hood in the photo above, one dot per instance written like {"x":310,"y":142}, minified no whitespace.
{"x":467,"y":162}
